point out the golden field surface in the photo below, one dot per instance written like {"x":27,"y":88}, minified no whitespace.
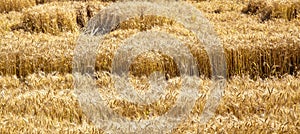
{"x":262,"y":48}
{"x":45,"y":104}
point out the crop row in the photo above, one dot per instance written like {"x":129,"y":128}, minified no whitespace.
{"x":47,"y":101}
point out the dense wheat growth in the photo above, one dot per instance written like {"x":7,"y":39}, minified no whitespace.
{"x":19,"y":5}
{"x":44,"y":103}
{"x":261,"y":40}
{"x":273,"y":9}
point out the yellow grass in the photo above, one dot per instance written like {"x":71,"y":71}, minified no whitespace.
{"x":58,"y":17}
{"x":286,"y":9}
{"x":36,"y":51}
{"x":268,"y":50}
{"x":15,"y":5}
{"x":45,"y":103}
{"x":53,"y":54}
{"x":19,"y":5}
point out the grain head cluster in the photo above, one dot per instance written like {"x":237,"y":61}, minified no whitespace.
{"x":261,"y":41}
{"x":273,"y":9}
{"x":58,"y":17}
{"x":45,"y":103}
{"x":19,"y":5}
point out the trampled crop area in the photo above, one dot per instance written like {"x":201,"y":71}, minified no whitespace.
{"x":261,"y":41}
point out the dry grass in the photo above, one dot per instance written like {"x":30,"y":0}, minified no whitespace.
{"x":41,"y":53}
{"x":263,"y":56}
{"x":46,"y":100}
{"x":36,"y":85}
{"x":57,"y":17}
{"x":273,"y":9}
{"x":15,"y":5}
{"x":253,"y":47}
{"x":9,"y":20}
{"x":263,"y":53}
{"x":19,"y":5}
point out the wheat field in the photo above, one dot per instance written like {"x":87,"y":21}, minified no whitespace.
{"x":261,"y":40}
